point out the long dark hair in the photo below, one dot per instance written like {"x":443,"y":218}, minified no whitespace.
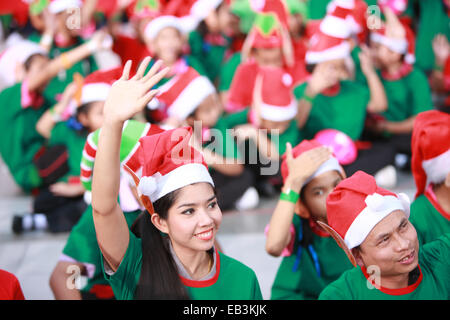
{"x":159,"y":274}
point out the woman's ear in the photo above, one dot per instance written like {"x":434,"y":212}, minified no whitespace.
{"x":159,"y":223}
{"x":83,"y":119}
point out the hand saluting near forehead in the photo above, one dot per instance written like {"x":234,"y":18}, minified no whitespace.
{"x":128,"y":97}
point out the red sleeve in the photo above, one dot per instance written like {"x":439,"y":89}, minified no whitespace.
{"x":10,"y":287}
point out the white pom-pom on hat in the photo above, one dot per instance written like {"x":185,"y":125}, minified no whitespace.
{"x":147,"y":186}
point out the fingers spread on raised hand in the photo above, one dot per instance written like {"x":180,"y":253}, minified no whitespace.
{"x":289,"y":155}
{"x":142,"y":67}
{"x":148,"y":97}
{"x":126,"y":70}
{"x":154,"y":69}
{"x":156,"y":78}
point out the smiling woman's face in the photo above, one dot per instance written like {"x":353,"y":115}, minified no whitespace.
{"x":392,"y":245}
{"x":194,"y":218}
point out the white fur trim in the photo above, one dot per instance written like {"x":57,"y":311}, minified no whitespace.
{"x":87,"y":197}
{"x":341,"y":51}
{"x":279,"y":113}
{"x":378,"y":207}
{"x":201,"y":8}
{"x":180,"y":177}
{"x":190,"y":98}
{"x":94,"y":92}
{"x":18,"y":52}
{"x":156,"y":25}
{"x":329,"y":165}
{"x":58,"y":6}
{"x":437,"y":168}
{"x":335,"y":27}
{"x":396,"y":45}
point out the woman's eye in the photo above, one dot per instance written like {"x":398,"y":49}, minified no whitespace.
{"x":188,"y":211}
{"x":212,"y":205}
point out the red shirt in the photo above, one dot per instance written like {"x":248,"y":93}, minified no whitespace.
{"x":10,"y":287}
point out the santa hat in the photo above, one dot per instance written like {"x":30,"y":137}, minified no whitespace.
{"x":17,"y":53}
{"x":96,"y":86}
{"x":182,"y":94}
{"x":58,"y":6}
{"x":396,"y":36}
{"x":170,"y":163}
{"x":323,"y":47}
{"x":397,"y":6}
{"x":357,"y":205}
{"x":131,"y":156}
{"x":430,"y":146}
{"x":278,"y":7}
{"x":156,"y":25}
{"x":264,"y":33}
{"x":306,"y":145}
{"x":277,"y":101}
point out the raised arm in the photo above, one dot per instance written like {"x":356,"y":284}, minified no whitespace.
{"x":127,"y":97}
{"x":66,"y":60}
{"x":300,"y":169}
{"x":378,"y":100}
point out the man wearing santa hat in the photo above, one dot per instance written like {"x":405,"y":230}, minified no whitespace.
{"x":371,"y":225}
{"x":430,"y":211}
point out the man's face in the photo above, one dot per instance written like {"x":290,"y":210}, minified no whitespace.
{"x":392,"y":245}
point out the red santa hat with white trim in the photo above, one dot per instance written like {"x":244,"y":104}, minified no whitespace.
{"x":277,"y":100}
{"x":58,"y":6}
{"x":182,"y":94}
{"x":170,"y":163}
{"x":96,"y":85}
{"x":430,"y":145}
{"x":357,"y":205}
{"x":323,"y":47}
{"x":396,"y":36}
{"x":16,"y":53}
{"x":331,"y":164}
{"x":161,"y":22}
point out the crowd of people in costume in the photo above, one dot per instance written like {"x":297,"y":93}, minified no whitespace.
{"x":134,"y":125}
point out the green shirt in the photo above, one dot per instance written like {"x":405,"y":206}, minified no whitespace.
{"x":432,"y":21}
{"x":235,"y":281}
{"x":74,"y":142}
{"x":211,"y":56}
{"x":306,"y":282}
{"x":227,"y":72}
{"x":434,"y":283}
{"x":82,"y":246}
{"x":407,"y":96}
{"x":223,"y":144}
{"x":20,"y":141}
{"x":429,"y":219}
{"x":346,"y":111}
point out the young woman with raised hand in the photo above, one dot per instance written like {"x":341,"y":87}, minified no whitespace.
{"x":169,"y":254}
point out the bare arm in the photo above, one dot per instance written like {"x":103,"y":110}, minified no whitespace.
{"x":126,"y":98}
{"x":62,"y":280}
{"x":300,"y":169}
{"x":66,"y":60}
{"x":378,"y":100}
{"x":50,"y":117}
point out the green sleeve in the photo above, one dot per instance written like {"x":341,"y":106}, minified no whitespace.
{"x":436,"y":256}
{"x":124,"y":281}
{"x":228,"y":70}
{"x":196,"y":64}
{"x":420,"y":93}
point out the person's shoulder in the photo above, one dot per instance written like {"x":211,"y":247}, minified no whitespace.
{"x":342,"y":288}
{"x":420,"y":201}
{"x":231,"y":265}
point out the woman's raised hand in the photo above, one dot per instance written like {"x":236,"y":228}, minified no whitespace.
{"x":127,"y":97}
